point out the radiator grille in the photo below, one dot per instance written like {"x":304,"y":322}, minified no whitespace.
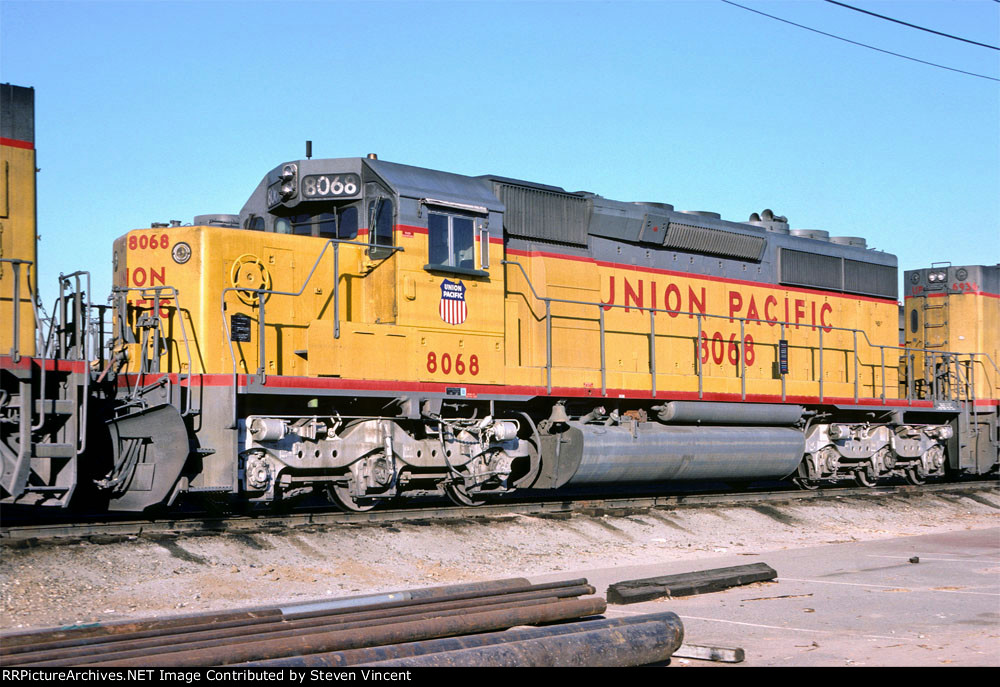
{"x":799,"y":268}
{"x":714,"y":242}
{"x":809,"y":269}
{"x":869,"y":279}
{"x":546,"y":215}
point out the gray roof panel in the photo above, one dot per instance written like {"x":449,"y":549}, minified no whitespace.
{"x":417,"y":182}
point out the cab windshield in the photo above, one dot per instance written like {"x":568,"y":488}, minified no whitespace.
{"x":339,"y":223}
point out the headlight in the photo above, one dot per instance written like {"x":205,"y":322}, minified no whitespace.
{"x":181,"y":253}
{"x":287,"y":178}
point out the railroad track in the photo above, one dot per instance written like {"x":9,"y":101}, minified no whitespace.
{"x":57,"y":532}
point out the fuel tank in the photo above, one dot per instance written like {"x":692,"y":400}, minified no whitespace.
{"x":650,"y":452}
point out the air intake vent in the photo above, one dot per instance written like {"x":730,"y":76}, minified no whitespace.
{"x":728,"y":244}
{"x":546,"y":215}
{"x":829,"y":272}
{"x":17,"y":113}
{"x":873,"y":280}
{"x":808,"y":269}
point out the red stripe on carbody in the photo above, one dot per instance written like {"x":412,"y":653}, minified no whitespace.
{"x":423,"y":232}
{"x":332,"y":383}
{"x":25,"y":363}
{"x":15,"y":143}
{"x":936,"y":294}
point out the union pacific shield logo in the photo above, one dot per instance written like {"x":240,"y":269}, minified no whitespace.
{"x":453,"y":309}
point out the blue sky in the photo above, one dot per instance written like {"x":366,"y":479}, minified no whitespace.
{"x":153,"y":111}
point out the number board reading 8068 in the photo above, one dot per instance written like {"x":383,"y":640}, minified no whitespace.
{"x":330,"y":186}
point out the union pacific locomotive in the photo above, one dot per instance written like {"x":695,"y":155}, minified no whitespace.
{"x":370,"y":330}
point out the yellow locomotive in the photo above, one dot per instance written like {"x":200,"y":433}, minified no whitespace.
{"x":950,"y":345}
{"x":18,"y":281}
{"x":373,"y":330}
{"x":44,"y":376}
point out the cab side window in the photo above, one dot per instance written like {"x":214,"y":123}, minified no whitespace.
{"x":380,"y":221}
{"x":451,"y":241}
{"x":347,"y":223}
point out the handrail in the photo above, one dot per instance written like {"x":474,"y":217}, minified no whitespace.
{"x":25,"y":426}
{"x":15,"y":349}
{"x":261,"y":374}
{"x":158,"y":294}
{"x":80,"y":335}
{"x":904,"y":350}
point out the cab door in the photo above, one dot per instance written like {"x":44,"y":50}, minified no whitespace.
{"x":379,"y":265}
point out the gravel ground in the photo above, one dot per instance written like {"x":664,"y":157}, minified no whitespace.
{"x":86,"y":582}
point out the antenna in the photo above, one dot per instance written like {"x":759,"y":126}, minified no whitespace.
{"x":309,"y":150}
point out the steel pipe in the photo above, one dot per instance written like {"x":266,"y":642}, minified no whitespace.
{"x":630,"y":645}
{"x":710,"y":413}
{"x":464,"y":623}
{"x":12,"y":643}
{"x":221,"y":634}
{"x":352,"y":657}
{"x":165,"y":646}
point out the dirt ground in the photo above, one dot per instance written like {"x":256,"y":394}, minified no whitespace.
{"x":83,"y":582}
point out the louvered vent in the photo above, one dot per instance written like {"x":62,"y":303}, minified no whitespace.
{"x":808,"y":269}
{"x":799,"y":268}
{"x":868,"y":279}
{"x":546,"y":215}
{"x":714,"y":242}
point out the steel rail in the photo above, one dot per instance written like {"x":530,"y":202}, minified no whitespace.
{"x":56,"y":533}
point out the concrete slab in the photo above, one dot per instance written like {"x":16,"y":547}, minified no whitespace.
{"x":858,"y":603}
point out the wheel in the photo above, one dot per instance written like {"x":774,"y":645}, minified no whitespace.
{"x":802,"y":479}
{"x":865,"y":477}
{"x":914,"y":476}
{"x":341,"y":497}
{"x":460,"y":497}
{"x":805,"y":483}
